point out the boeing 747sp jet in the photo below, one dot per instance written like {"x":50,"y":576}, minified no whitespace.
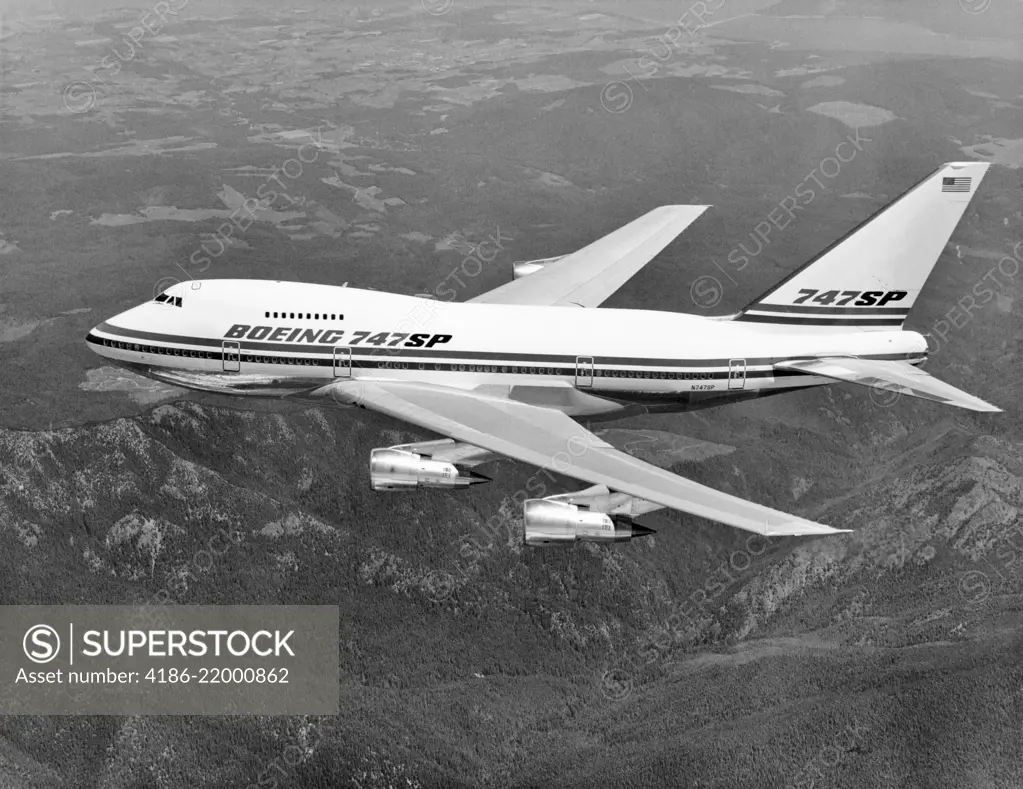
{"x":509,"y":372}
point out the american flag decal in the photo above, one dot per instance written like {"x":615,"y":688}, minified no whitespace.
{"x":955,"y":184}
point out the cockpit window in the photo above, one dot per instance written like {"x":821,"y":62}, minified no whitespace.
{"x":174,"y":301}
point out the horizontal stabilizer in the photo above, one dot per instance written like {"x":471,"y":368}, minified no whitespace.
{"x":892,"y":376}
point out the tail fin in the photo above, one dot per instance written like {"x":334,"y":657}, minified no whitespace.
{"x":871,"y":277}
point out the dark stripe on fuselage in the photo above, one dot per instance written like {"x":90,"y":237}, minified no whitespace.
{"x":816,"y":309}
{"x":749,"y":318}
{"x":432,"y":355}
{"x":493,"y":368}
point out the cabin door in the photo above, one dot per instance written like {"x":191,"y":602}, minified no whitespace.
{"x":342,"y":362}
{"x":736,"y":373}
{"x":231,"y":353}
{"x":584,"y":371}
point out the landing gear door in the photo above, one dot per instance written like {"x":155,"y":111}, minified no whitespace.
{"x":584,"y":371}
{"x":736,"y":373}
{"x":232,"y":356}
{"x":342,"y":362}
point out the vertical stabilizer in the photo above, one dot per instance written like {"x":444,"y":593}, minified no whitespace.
{"x":872,"y":276}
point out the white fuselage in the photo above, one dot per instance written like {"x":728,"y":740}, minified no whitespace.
{"x":261,"y":337}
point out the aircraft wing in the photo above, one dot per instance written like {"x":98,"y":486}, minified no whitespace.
{"x":892,"y":376}
{"x":548,"y":438}
{"x":588,"y":277}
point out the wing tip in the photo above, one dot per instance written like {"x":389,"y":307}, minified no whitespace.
{"x":971,"y":403}
{"x":802,"y":528}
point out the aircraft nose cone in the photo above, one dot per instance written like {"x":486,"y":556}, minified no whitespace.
{"x":93,"y":342}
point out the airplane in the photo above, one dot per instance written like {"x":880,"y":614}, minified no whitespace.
{"x":509,"y":372}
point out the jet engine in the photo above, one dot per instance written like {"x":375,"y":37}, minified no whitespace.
{"x":399,"y":469}
{"x":553,"y":522}
{"x":523,"y":268}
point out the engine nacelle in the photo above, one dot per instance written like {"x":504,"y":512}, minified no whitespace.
{"x":398,"y":469}
{"x":551,"y":522}
{"x":523,"y":268}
